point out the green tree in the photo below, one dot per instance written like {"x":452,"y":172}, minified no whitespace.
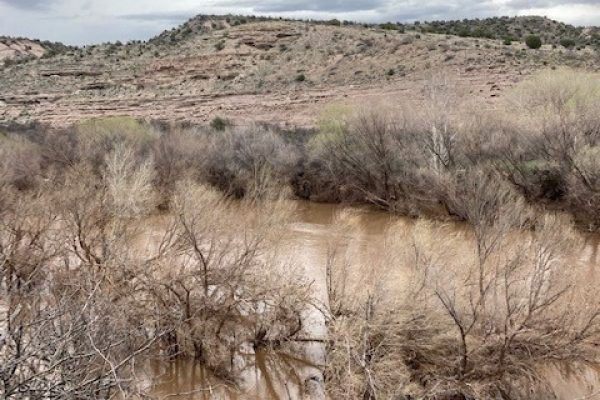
{"x":219,"y":124}
{"x":533,"y":41}
{"x":567,"y":43}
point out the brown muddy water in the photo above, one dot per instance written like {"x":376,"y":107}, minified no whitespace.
{"x":361,"y":237}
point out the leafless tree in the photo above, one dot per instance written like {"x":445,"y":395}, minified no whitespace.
{"x":483,"y":312}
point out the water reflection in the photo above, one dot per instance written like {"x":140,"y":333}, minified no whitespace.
{"x":183,"y":380}
{"x":271,"y":375}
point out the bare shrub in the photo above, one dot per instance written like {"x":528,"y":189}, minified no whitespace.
{"x":129,"y":185}
{"x":249,"y":162}
{"x":84,"y":301}
{"x":58,"y":147}
{"x":61,"y":335}
{"x":214,"y":288}
{"x":480,"y":315}
{"x":20,"y":162}
{"x":98,"y":137}
{"x":178,"y":154}
{"x":357,"y":299}
{"x":482,"y":198}
{"x":542,"y":140}
{"x":72,"y":325}
{"x":511,"y":313}
{"x":560,"y":115}
{"x":369,"y":159}
{"x":441,"y":103}
{"x":94,"y":282}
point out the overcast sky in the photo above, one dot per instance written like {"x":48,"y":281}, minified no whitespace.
{"x":93,"y":21}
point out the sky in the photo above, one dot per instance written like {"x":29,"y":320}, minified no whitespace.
{"x":80,"y":22}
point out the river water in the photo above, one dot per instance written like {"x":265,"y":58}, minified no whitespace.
{"x":362,"y":234}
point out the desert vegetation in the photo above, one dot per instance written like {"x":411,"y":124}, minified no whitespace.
{"x":516,"y":28}
{"x":22,"y":50}
{"x":122,"y":241}
{"x":541,"y":141}
{"x":174,"y":74}
{"x":469,"y":317}
{"x":513,"y":28}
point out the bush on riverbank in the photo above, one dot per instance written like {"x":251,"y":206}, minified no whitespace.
{"x":93,"y":282}
{"x":543,"y":139}
{"x":476,"y":315}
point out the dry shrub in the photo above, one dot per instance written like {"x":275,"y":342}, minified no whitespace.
{"x":481,"y":198}
{"x":404,"y":162}
{"x":179,"y":154}
{"x":361,"y":298}
{"x":367,"y":159}
{"x":481,"y":315}
{"x":505,"y":315}
{"x":542,"y":139}
{"x":59,"y":148}
{"x":98,"y":137}
{"x":61,"y":334}
{"x":92,"y":279}
{"x":221,"y":285}
{"x":128,"y":184}
{"x":84,"y":300}
{"x":557,"y":119}
{"x":398,"y":159}
{"x":438,"y":119}
{"x":556,"y":97}
{"x":254,"y":162}
{"x":249,"y":162}
{"x":20,"y":162}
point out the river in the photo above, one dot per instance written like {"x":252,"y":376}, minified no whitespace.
{"x":362,"y":234}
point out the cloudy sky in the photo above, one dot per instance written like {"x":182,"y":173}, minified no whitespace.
{"x":93,"y":21}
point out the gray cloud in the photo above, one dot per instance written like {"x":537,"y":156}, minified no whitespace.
{"x":306,"y":5}
{"x":375,"y":10}
{"x":432,"y":10}
{"x":29,"y":4}
{"x":526,"y":4}
{"x":174,"y":17}
{"x":89,"y":21}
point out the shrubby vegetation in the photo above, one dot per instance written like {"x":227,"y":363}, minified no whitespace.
{"x":94,"y":281}
{"x":533,"y":42}
{"x":502,"y":28}
{"x":51,"y":48}
{"x":477,"y":317}
{"x":513,"y":28}
{"x":120,"y":241}
{"x":543,"y":140}
{"x":568,"y":43}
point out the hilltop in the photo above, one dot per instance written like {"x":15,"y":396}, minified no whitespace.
{"x":21,"y":50}
{"x":270,"y":70}
{"x":503,"y":28}
{"x":516,"y":29}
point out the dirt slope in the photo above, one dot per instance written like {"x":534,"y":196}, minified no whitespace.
{"x":20,"y":48}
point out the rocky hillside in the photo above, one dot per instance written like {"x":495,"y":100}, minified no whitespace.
{"x":20,"y":50}
{"x":516,"y":29}
{"x":249,"y":69}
